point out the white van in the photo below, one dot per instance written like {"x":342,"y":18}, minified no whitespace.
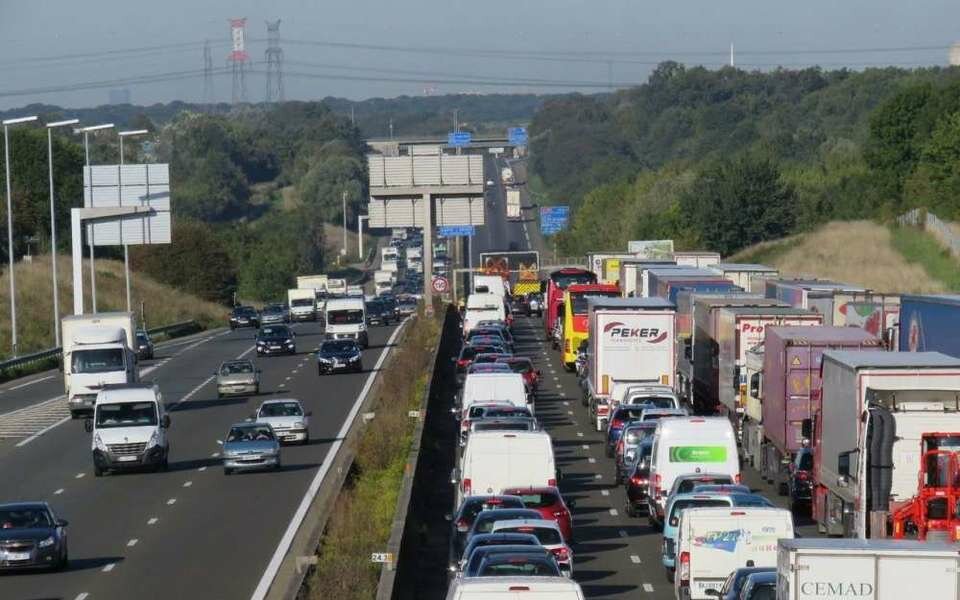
{"x":493,"y":387}
{"x":514,"y":588}
{"x":483,"y":307}
{"x":714,"y":542}
{"x":495,"y":460}
{"x":683,"y":445}
{"x":346,"y":318}
{"x":489,"y":284}
{"x":129,"y":428}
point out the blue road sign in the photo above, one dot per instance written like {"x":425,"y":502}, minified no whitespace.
{"x":459,"y":138}
{"x":456,"y":230}
{"x":553,"y":219}
{"x":517,"y":136}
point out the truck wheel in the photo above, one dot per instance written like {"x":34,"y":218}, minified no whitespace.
{"x":97,"y":471}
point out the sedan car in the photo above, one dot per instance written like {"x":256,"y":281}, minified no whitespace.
{"x":339,"y":355}
{"x":244,"y":316}
{"x":286,"y":416}
{"x":273,"y":314}
{"x":276,"y":339}
{"x":547,"y":531}
{"x":378,"y":313}
{"x":462,"y":522}
{"x":483,"y":540}
{"x":31,"y":537}
{"x":549,"y":503}
{"x":406,"y":307}
{"x":237,"y":377}
{"x":144,"y":345}
{"x":250,"y":446}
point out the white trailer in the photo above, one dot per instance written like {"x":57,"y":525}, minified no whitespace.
{"x":317,"y":283}
{"x":869,"y":435}
{"x":629,"y":339}
{"x":819,"y":569}
{"x":696,"y":259}
{"x":513,"y":204}
{"x":751,"y":277}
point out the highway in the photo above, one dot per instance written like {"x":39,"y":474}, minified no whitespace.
{"x":615,"y":555}
{"x":190,"y":532}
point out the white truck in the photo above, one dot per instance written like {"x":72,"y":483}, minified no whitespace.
{"x":336,"y":287}
{"x":383,"y":282}
{"x":513,"y":204}
{"x":879,"y":414}
{"x":303,"y":304}
{"x":822,"y":569}
{"x":346,"y":318}
{"x":317,"y":283}
{"x":414,"y":258}
{"x":98,"y":349}
{"x":389,"y":258}
{"x":630,"y":339}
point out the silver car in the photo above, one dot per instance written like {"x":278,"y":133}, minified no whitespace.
{"x":237,"y":377}
{"x":288,"y":419}
{"x":250,"y":446}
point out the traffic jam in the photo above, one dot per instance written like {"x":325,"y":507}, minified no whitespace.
{"x":702,"y":376}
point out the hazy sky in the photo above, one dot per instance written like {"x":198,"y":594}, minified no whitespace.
{"x":75,"y":43}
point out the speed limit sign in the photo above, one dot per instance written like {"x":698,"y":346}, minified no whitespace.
{"x":440,"y":284}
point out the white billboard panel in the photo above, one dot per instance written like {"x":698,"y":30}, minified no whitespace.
{"x":146,"y":185}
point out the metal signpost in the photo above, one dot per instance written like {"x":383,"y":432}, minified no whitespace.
{"x":517,"y":136}
{"x":459,"y":139}
{"x":467,"y":231}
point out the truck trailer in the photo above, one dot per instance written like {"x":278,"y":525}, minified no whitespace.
{"x":513,"y":205}
{"x":631,"y":270}
{"x":813,"y":294}
{"x":751,"y":277}
{"x":929,"y":323}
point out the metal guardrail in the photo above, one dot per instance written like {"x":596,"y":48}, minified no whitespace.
{"x":34,"y":357}
{"x":929,"y":222}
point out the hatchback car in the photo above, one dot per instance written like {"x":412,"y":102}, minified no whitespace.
{"x":618,"y":420}
{"x":735,"y":582}
{"x":31,"y":537}
{"x":510,"y":561}
{"x":244,"y":316}
{"x":548,"y":502}
{"x":273,"y":314}
{"x":144,"y":345}
{"x":237,"y":377}
{"x":493,"y":539}
{"x":626,"y":453}
{"x":466,"y":357}
{"x":339,"y":355}
{"x":250,"y":446}
{"x":549,"y":534}
{"x":484,"y":521}
{"x":276,"y":339}
{"x":286,"y":416}
{"x":524,"y":366}
{"x":462,"y":522}
{"x":637,"y":483}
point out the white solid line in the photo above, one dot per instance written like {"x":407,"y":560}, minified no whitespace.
{"x":58,"y":492}
{"x":586,"y":447}
{"x":132,"y":543}
{"x":109,"y":567}
{"x":23,"y":385}
{"x":579,"y":434}
{"x":566,"y":403}
{"x":613,"y":512}
{"x":171,"y":501}
{"x":81,"y":596}
{"x":598,"y":476}
{"x":282,"y":385}
{"x":604,"y":492}
{"x":202,"y":469}
{"x":635,"y":559}
{"x":648,"y":588}
{"x":152,"y":521}
{"x":79,"y":475}
{"x":287,"y":379}
{"x":275,"y":561}
{"x":26,"y":441}
{"x":187,"y":483}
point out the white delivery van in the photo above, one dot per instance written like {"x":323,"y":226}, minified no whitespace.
{"x":303,"y":304}
{"x":505,"y":388}
{"x":98,"y":349}
{"x":495,"y":460}
{"x":818,"y":569}
{"x":129,"y":428}
{"x":514,"y":588}
{"x":489,"y":284}
{"x":714,"y":542}
{"x":346,"y":318}
{"x":689,"y":445}
{"x":336,"y":287}
{"x":483,"y":307}
{"x":383,"y":282}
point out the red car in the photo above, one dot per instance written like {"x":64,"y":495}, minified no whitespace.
{"x":524,"y":366}
{"x":549,"y":503}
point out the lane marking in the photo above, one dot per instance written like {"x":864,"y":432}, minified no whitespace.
{"x":82,"y":596}
{"x":58,"y":492}
{"x":586,"y":447}
{"x":191,"y":393}
{"x":598,"y":476}
{"x":260,"y":592}
{"x":132,"y":543}
{"x":592,"y":460}
{"x":604,"y":492}
{"x":635,"y":559}
{"x":152,"y":521}
{"x":202,"y":469}
{"x":569,"y":412}
{"x":613,"y":512}
{"x":579,"y":434}
{"x":171,"y":501}
{"x":215,"y":455}
{"x":566,"y":403}
{"x":648,"y":588}
{"x":29,"y":383}
{"x":187,"y":484}
{"x":109,"y":567}
{"x":622,"y":533}
{"x":79,"y":475}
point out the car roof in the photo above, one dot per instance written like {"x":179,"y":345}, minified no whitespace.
{"x":247,"y":424}
{"x":279,"y":401}
{"x":548,"y":523}
{"x":767,"y":575}
{"x":24,"y":505}
{"x":505,"y":512}
{"x":503,"y":535}
{"x":533,"y":489}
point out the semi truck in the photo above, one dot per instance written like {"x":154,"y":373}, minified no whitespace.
{"x":513,"y":205}
{"x":813,"y":294}
{"x":876,"y":415}
{"x":630,"y":339}
{"x":778,"y":405}
{"x":631,"y":270}
{"x":303,"y":304}
{"x":825,"y":569}
{"x":877,"y":314}
{"x":696,"y":259}
{"x":98,"y":349}
{"x":751,"y":277}
{"x":596,"y":262}
{"x":575,"y":317}
{"x":930,"y":323}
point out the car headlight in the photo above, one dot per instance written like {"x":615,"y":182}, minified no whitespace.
{"x":46,"y":543}
{"x":288,"y":341}
{"x":154,"y":439}
{"x":260,"y":342}
{"x":355,"y":358}
{"x":229,"y":454}
{"x":299,"y":425}
{"x":324,"y":359}
{"x":99,"y":443}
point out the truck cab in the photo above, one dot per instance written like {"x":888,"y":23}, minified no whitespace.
{"x":129,"y":427}
{"x":346,"y":318}
{"x":98,"y":350}
{"x":303,"y":304}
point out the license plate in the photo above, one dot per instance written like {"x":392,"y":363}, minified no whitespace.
{"x":18,"y":556}
{"x":127,"y":458}
{"x":274,"y":347}
{"x":703,"y":586}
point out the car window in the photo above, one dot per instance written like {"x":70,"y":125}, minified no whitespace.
{"x":277,"y":331}
{"x":281,"y":409}
{"x":806,"y":461}
{"x":510,"y":566}
{"x":764,"y":591}
{"x":31,"y":517}
{"x":546,"y":535}
{"x":686,"y":486}
{"x":250,"y":434}
{"x":679,"y":505}
{"x":126,"y":414}
{"x":236,"y":369}
{"x":473,"y":506}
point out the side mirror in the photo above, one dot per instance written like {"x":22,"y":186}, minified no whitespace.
{"x":806,"y":428}
{"x":62,"y":522}
{"x":165,"y":423}
{"x":88,"y":425}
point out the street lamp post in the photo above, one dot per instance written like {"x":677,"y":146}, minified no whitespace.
{"x":86,"y":152}
{"x":126,"y":248}
{"x":53,"y":228}
{"x":13,"y":284}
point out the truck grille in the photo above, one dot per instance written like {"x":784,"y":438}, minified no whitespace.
{"x":127,"y":449}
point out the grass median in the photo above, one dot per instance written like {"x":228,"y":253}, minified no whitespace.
{"x":362,"y":516}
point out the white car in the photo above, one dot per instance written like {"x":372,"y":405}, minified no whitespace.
{"x":549,"y":534}
{"x":288,"y":419}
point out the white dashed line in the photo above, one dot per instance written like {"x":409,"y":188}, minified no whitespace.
{"x":598,"y":476}
{"x":569,"y":412}
{"x":282,"y":385}
{"x":187,"y":483}
{"x":132,"y":543}
{"x":58,"y":492}
{"x":215,"y":455}
{"x":614,"y":512}
{"x":23,"y":385}
{"x":287,"y":379}
{"x":79,"y":475}
{"x":82,"y":596}
{"x":622,"y":533}
{"x":647,"y":587}
{"x":591,"y":460}
{"x":579,"y":434}
{"x":566,"y":403}
{"x":152,"y":521}
{"x":604,"y":492}
{"x":171,"y":501}
{"x":202,"y":469}
{"x":586,"y":447}
{"x":109,"y":567}
{"x":635,"y":559}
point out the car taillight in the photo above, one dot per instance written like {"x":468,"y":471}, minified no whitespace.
{"x":462,"y":363}
{"x":616,"y":423}
{"x":620,"y":447}
{"x":684,"y":572}
{"x":803,"y":475}
{"x":656,"y":483}
{"x":603,"y":409}
{"x":639,"y":481}
{"x":559,"y":514}
{"x":561,"y":554}
{"x":463,"y":526}
{"x":465,"y":425}
{"x":552,"y":482}
{"x":467,"y":486}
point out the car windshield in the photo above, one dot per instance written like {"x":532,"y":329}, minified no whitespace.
{"x":635,"y":435}
{"x":485,"y":523}
{"x":538,"y":499}
{"x":520,"y":366}
{"x":281,"y":409}
{"x":126,"y":414}
{"x":681,"y":504}
{"x":473,"y":506}
{"x":763,"y":591}
{"x":344,"y":317}
{"x":236,"y":368}
{"x":31,"y":517}
{"x":517,"y":425}
{"x":337,"y":347}
{"x":513,"y":565}
{"x":97,"y":361}
{"x":273,"y":310}
{"x":485,"y":367}
{"x":274,"y":332}
{"x":685,"y":486}
{"x":245,"y":312}
{"x":655,"y":401}
{"x":547,"y":535}
{"x":142,"y":338}
{"x":562,"y":280}
{"x":251,"y":433}
{"x":302,"y":302}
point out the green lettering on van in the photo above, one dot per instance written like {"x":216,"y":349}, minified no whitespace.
{"x":699,"y":454}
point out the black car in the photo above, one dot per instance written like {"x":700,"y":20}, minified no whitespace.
{"x":378,"y":313}
{"x":144,"y":345}
{"x":244,"y":316}
{"x":800,"y":480}
{"x":636,"y":488}
{"x":276,"y":339}
{"x":31,"y":537}
{"x":339,"y":355}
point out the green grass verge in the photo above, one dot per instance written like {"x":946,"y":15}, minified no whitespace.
{"x":919,"y":247}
